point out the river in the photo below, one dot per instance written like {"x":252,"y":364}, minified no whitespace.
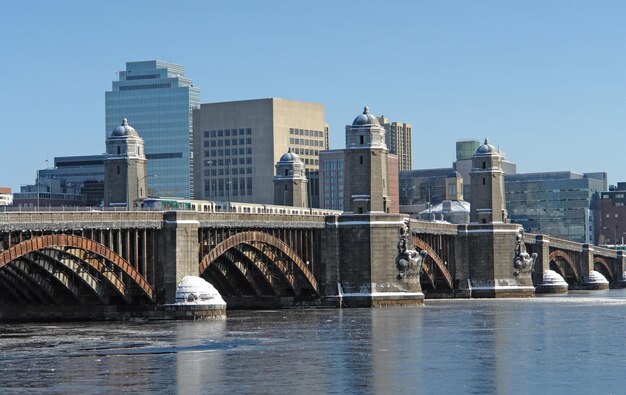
{"x":552,"y":344}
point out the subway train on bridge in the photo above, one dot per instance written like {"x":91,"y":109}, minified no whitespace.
{"x":209,"y":206}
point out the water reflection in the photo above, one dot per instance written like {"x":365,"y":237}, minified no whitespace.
{"x":556,"y":345}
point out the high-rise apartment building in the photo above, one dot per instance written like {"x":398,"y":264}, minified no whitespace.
{"x":398,"y":140}
{"x":157,"y":99}
{"x":237,"y":145}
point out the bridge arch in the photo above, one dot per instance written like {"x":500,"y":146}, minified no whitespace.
{"x":555,"y":255}
{"x":439,"y":263}
{"x":600,"y":264}
{"x":254,"y":239}
{"x":70,"y":244}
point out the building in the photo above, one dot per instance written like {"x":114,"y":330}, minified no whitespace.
{"x":421,"y":188}
{"x":6,"y":196}
{"x":237,"y":145}
{"x":398,"y":140}
{"x":290,"y":182}
{"x":559,"y":204}
{"x":487,"y":192}
{"x":157,"y":99}
{"x":364,"y":176}
{"x":463,"y":164}
{"x":124,"y":168}
{"x":453,"y":208}
{"x":331,"y":179}
{"x":610,"y":221}
{"x":73,"y":181}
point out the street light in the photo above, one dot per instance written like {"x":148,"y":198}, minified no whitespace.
{"x":138,"y":181}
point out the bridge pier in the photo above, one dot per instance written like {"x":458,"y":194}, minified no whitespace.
{"x":590,"y":279}
{"x":545,"y":279}
{"x":358,"y":257}
{"x":619,"y":269}
{"x":485,"y":262}
{"x":178,"y":251}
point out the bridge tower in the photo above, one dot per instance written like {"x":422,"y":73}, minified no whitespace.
{"x":290,"y":182}
{"x":124,"y":167}
{"x":491,"y":256}
{"x":360,"y":246}
{"x":366,"y":189}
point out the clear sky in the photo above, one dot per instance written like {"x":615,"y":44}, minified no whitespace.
{"x":543,"y":80}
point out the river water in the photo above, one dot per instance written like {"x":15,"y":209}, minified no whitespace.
{"x":555,"y":344}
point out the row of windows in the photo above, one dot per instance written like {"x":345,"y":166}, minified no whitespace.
{"x":237,"y":186}
{"x":227,"y":152}
{"x":304,"y":132}
{"x":142,"y":77}
{"x":333,"y":164}
{"x":228,"y":142}
{"x":227,"y":132}
{"x":308,"y":161}
{"x":306,"y":151}
{"x":315,"y":143}
{"x":146,"y":86}
{"x":228,"y":162}
{"x":223,"y":172}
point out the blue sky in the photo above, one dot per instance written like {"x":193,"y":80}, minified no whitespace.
{"x":544,"y":81}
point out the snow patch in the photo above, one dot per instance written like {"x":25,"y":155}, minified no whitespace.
{"x":193,"y":290}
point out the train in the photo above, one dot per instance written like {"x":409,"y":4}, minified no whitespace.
{"x":209,"y":206}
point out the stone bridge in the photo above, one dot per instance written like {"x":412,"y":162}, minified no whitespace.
{"x":137,"y":258}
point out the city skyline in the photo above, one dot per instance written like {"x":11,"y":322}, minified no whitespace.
{"x":541,"y":81}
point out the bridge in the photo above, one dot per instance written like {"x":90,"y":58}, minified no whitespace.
{"x":136,"y":258}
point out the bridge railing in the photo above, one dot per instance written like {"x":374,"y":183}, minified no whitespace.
{"x":248,"y":219}
{"x":568,"y":245}
{"x":73,"y":219}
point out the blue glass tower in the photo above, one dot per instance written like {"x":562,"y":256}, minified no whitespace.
{"x":158,"y":100}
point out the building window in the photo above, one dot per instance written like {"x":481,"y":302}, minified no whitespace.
{"x":361,"y":160}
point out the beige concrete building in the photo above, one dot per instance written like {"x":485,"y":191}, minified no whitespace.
{"x":398,"y":140}
{"x":237,"y":144}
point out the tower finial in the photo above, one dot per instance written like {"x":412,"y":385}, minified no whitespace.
{"x":124,"y":122}
{"x":366,"y":110}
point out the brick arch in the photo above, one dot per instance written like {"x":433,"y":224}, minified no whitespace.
{"x":79,"y":242}
{"x":255,"y":236}
{"x":598,"y":260}
{"x":562,"y":254}
{"x":422,"y":245}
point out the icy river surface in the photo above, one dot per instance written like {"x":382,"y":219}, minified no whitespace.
{"x":559,"y":345}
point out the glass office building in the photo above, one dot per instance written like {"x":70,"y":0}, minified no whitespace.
{"x":559,"y":204}
{"x":158,"y":100}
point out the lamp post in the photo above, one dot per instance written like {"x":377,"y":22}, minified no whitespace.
{"x":228,"y":184}
{"x":37,"y":186}
{"x":138,"y":181}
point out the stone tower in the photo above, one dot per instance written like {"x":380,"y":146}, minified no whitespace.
{"x":361,"y":246}
{"x":492,"y":261}
{"x":487,"y":186}
{"x":454,"y":186}
{"x":124,"y":168}
{"x":366,"y":187}
{"x":290,"y":182}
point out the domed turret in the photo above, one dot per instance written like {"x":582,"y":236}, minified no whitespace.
{"x":365,"y":132}
{"x":365,"y":119}
{"x":124,"y":130}
{"x":289,"y":157}
{"x":290,"y":182}
{"x":487,"y":149}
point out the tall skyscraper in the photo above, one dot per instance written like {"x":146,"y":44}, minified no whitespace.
{"x":398,"y":141}
{"x":238,"y":144}
{"x":158,"y":100}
